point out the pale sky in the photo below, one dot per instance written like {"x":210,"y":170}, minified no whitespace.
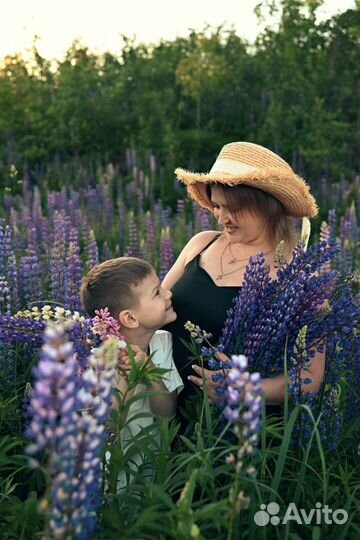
{"x":100,"y":23}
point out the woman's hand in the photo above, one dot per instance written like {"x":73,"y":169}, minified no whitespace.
{"x":205,"y":376}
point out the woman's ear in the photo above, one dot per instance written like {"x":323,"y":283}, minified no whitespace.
{"x":127,"y":319}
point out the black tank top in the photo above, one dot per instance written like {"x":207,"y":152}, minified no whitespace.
{"x":198,"y":299}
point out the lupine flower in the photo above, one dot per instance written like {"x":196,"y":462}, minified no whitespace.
{"x":73,"y":276}
{"x":57,"y":260}
{"x":267,"y":315}
{"x":5,"y":297}
{"x":105,"y":326}
{"x":149,"y":251}
{"x":19,"y":329}
{"x":133,"y":249}
{"x":12,"y":279}
{"x":166,"y":253}
{"x":196,"y":333}
{"x":92,"y":251}
{"x":297,"y":364}
{"x":30,"y":272}
{"x":244,"y":401}
{"x":325,"y":236}
{"x":68,"y":429}
{"x":202,"y":219}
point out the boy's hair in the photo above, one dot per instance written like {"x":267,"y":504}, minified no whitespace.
{"x":111,"y":284}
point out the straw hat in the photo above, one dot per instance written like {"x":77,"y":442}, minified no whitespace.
{"x":255,"y":166}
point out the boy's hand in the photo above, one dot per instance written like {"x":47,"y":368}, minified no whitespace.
{"x":124,"y":359}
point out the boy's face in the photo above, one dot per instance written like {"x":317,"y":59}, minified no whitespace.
{"x":154,"y":308}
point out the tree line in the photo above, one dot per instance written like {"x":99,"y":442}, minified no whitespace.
{"x":295,"y":90}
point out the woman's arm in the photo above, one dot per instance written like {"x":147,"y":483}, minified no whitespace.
{"x":192,"y":248}
{"x":274,"y":388}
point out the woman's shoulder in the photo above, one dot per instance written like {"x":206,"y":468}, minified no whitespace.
{"x":197,"y":243}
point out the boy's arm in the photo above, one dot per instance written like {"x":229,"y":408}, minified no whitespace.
{"x":172,"y":383}
{"x":164,"y":404}
{"x":161,"y":405}
{"x":122,"y":380}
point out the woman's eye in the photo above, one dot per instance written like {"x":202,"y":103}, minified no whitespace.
{"x":157,"y":292}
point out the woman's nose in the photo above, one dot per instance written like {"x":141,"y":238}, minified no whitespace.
{"x":169,"y":293}
{"x":223,"y":216}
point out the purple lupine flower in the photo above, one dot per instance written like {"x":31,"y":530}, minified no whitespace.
{"x":92,"y":251}
{"x":267,"y":315}
{"x":68,"y":429}
{"x":2,"y":265}
{"x":244,"y":402}
{"x":5,"y":297}
{"x":6,"y":247}
{"x":30,"y":278}
{"x":57,"y":260}
{"x":36,"y":211}
{"x":348,"y":239}
{"x":12,"y":279}
{"x":180,"y":209}
{"x":23,"y":330}
{"x":332,"y":418}
{"x":166,"y":253}
{"x":73,"y":276}
{"x":8,"y":265}
{"x":73,"y":237}
{"x":150,"y":243}
{"x":133,"y":249}
{"x":299,"y":362}
{"x":202,"y":218}
{"x":122,"y":225}
{"x":332,"y":224}
{"x":109,"y":213}
{"x":325,"y":236}
{"x":165,"y":217}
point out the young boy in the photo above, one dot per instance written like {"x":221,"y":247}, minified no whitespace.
{"x":132,"y":292}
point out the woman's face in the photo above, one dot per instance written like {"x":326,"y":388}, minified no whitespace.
{"x":244,"y":227}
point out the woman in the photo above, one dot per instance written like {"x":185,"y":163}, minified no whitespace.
{"x":253,"y":194}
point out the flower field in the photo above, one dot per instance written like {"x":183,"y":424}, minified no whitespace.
{"x":235,"y":473}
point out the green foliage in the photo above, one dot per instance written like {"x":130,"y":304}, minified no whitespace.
{"x":293,"y":91}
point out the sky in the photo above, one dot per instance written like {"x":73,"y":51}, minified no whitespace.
{"x":99,"y":24}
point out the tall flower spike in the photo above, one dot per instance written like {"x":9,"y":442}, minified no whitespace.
{"x":68,"y":429}
{"x":92,"y":250}
{"x":244,"y":403}
{"x":73,"y":275}
{"x":166,"y":253}
{"x":105,"y":326}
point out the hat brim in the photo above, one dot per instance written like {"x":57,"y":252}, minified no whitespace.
{"x":289,"y":188}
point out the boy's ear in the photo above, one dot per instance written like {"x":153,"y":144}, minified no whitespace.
{"x":128,"y":319}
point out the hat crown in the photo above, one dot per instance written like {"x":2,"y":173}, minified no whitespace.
{"x":248,"y":157}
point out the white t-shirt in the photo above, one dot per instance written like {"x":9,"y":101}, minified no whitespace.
{"x":161,"y":351}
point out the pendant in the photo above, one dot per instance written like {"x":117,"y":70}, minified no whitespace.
{"x":233,"y":261}
{"x":220,"y":276}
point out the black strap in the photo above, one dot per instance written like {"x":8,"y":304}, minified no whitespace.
{"x":209,"y":244}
